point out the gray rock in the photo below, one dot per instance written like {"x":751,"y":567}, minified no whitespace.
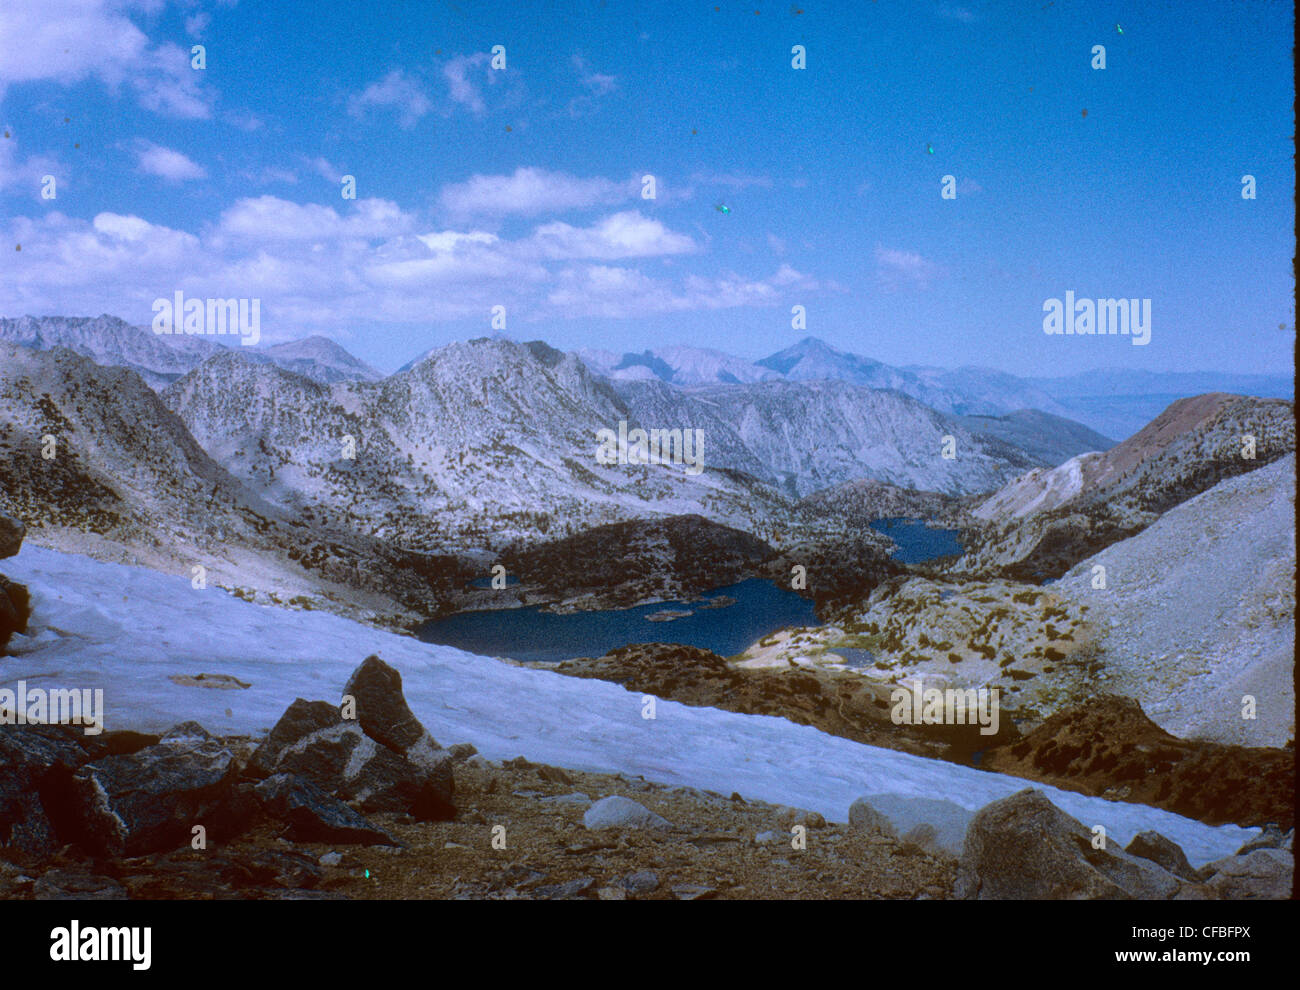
{"x":766,"y":838}
{"x":386,"y":718}
{"x":314,"y":816}
{"x":186,"y":734}
{"x":1261,"y":874}
{"x":330,"y":859}
{"x":641,"y":882}
{"x":620,"y":812}
{"x":904,"y":813}
{"x":561,"y":891}
{"x":694,"y":892}
{"x":923,"y":836}
{"x":314,"y":741}
{"x":864,"y":818}
{"x":461,"y":752}
{"x":1023,"y":847}
{"x":11,"y":536}
{"x":15,"y":609}
{"x":1272,"y":837}
{"x":150,"y":800}
{"x":1165,"y":852}
{"x":381,"y":706}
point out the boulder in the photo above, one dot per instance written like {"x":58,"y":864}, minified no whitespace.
{"x":864,"y":818}
{"x":1272,"y":837}
{"x":15,"y":609}
{"x":11,"y":536}
{"x":903,"y":814}
{"x":924,"y":837}
{"x":314,"y":816}
{"x":1261,"y":874}
{"x":1162,"y":851}
{"x":381,"y":707}
{"x":641,"y":882}
{"x":148,"y":801}
{"x":621,"y":812}
{"x":314,"y":741}
{"x":1023,"y":847}
{"x":36,"y":762}
{"x":386,"y":718}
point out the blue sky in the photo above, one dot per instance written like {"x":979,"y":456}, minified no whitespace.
{"x":522,"y":186}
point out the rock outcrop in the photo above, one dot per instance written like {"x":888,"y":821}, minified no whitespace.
{"x":1023,"y":847}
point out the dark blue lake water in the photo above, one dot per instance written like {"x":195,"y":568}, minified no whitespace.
{"x":916,"y":541}
{"x":530,"y":635}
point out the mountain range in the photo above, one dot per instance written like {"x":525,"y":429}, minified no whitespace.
{"x":1112,"y":403}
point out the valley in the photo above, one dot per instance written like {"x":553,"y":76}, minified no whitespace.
{"x":824,"y":554}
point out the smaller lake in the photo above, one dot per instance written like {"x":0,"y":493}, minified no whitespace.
{"x":916,"y":541}
{"x":531,"y":635}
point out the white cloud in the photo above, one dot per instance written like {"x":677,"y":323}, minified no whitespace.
{"x":462,"y":89}
{"x":595,"y":85}
{"x":397,"y":90}
{"x":321,"y":268}
{"x":66,"y":41}
{"x":623,"y":235}
{"x":326,"y":170}
{"x":894,"y":267}
{"x":196,"y":24}
{"x":531,"y":191}
{"x":17,"y":172}
{"x":615,"y":292}
{"x":167,"y":163}
{"x":598,"y":82}
{"x":268,"y":218}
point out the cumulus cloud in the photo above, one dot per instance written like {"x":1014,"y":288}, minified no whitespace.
{"x":167,"y":163}
{"x":532,"y":191}
{"x":268,"y":218}
{"x":366,"y":262}
{"x":623,"y":235}
{"x":397,"y":90}
{"x":67,"y":41}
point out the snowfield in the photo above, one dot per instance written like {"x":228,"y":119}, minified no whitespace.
{"x":126,"y":630}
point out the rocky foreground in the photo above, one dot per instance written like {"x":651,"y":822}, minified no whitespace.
{"x":359,"y":801}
